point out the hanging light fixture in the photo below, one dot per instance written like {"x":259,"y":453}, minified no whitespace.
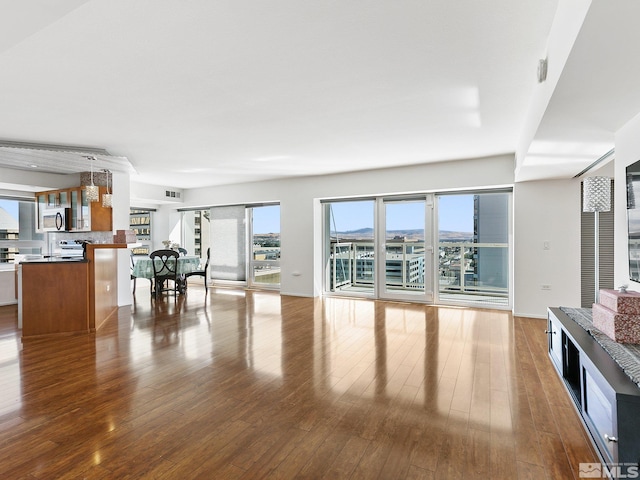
{"x":107,"y":198}
{"x":93,"y":194}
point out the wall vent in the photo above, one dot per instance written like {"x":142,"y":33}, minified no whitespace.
{"x":171,"y":194}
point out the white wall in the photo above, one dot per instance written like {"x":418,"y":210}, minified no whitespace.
{"x":165,"y":225}
{"x":300,"y":213}
{"x":546,"y":211}
{"x":144,"y":195}
{"x":627,"y":152}
{"x":543,"y":211}
{"x":121,"y":193}
{"x":567,"y":22}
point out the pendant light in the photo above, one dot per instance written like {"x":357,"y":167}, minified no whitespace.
{"x":107,"y":198}
{"x":93,"y":194}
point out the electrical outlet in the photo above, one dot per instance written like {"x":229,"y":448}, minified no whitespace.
{"x":545,"y":286}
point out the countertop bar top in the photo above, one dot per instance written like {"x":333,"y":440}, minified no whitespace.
{"x":110,"y":245}
{"x":68,"y":259}
{"x":55,"y":260}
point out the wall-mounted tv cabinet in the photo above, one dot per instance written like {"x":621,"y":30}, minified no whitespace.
{"x":607,"y":400}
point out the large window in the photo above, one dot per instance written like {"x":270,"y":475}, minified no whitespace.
{"x":350,"y":252}
{"x":474,"y":247}
{"x":228,"y":237}
{"x":385,"y":247}
{"x":244,"y":241}
{"x":196,"y":229}
{"x":264,"y":263}
{"x":380,"y":247}
{"x":17,"y":230}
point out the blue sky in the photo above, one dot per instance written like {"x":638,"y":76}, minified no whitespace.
{"x":10,"y":206}
{"x":266,"y":219}
{"x":455,"y":214}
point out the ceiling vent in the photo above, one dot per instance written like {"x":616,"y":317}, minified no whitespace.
{"x":171,"y":194}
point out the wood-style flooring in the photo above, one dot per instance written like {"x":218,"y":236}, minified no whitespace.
{"x":242,"y":384}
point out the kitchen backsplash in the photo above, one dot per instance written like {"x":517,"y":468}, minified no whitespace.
{"x":92,"y":237}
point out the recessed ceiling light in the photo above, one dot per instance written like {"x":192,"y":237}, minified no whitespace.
{"x":33,"y":165}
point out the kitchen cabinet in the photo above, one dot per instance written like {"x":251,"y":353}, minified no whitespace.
{"x":63,"y":296}
{"x":48,"y":200}
{"x":55,"y":298}
{"x":85,"y":216}
{"x":95,"y":216}
{"x":606,"y":399}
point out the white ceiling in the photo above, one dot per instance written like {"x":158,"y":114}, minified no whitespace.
{"x":597,"y":93}
{"x":210,"y":92}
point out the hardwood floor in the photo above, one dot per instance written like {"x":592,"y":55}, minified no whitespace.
{"x":239,"y":384}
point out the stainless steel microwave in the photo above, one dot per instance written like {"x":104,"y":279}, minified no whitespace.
{"x":56,"y":220}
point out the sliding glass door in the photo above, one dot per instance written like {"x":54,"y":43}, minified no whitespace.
{"x":349,"y":247}
{"x":264,"y":259}
{"x":380,"y":248}
{"x":244,"y":242}
{"x":474,"y":248}
{"x":405,"y":238}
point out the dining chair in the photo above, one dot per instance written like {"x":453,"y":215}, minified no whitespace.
{"x":203,"y":272}
{"x":165,"y":270}
{"x":134,"y":278}
{"x":182,"y":251}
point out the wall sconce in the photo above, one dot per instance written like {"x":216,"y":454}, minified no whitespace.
{"x":92,"y":191}
{"x":596,"y":197}
{"x":107,"y":198}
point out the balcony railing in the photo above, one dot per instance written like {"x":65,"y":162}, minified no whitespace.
{"x":352,"y":265}
{"x":464,"y":267}
{"x":474,"y":268}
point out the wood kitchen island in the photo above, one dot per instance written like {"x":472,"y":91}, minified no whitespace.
{"x":64,"y":296}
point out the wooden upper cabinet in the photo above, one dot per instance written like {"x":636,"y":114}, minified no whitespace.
{"x":85,"y":216}
{"x":100,"y":218}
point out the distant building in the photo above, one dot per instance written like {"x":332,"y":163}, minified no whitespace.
{"x":490,"y":225}
{"x":404,"y":272}
{"x":8,"y":231}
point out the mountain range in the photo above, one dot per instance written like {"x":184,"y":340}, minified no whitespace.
{"x":412,"y":234}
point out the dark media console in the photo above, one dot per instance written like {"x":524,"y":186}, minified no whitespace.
{"x":607,"y":400}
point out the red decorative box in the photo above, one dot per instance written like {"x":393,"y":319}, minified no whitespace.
{"x":125,"y":236}
{"x":621,"y":302}
{"x":621,"y":327}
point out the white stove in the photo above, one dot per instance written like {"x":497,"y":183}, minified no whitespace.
{"x":71,"y":248}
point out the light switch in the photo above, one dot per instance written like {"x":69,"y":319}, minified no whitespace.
{"x":546,"y":245}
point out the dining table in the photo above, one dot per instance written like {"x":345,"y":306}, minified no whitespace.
{"x":143,"y":268}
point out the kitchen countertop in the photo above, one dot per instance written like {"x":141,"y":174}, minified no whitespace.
{"x":112,"y":245}
{"x":68,"y":259}
{"x":55,"y":260}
